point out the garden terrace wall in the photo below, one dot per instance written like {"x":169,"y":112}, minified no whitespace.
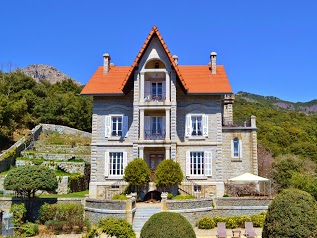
{"x":191,"y":209}
{"x":64,"y":130}
{"x":96,"y":209}
{"x":238,"y":206}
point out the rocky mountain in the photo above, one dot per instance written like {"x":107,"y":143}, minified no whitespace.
{"x":41,"y":72}
{"x":306,"y":107}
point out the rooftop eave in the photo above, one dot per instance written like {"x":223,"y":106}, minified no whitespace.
{"x":102,"y":94}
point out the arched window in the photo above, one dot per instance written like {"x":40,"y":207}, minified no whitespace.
{"x":236,"y":147}
{"x":157,"y":65}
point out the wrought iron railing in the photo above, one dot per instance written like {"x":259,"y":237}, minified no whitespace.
{"x":152,"y":135}
{"x":149,"y":97}
{"x":237,"y":122}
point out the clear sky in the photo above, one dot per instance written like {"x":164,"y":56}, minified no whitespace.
{"x":268,"y":47}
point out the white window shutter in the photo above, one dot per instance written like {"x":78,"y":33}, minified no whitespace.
{"x":188,"y":129}
{"x":107,"y":161}
{"x":232,"y":149}
{"x":164,"y":89}
{"x":125,"y":126}
{"x":188,"y":168}
{"x":147,"y":125}
{"x":205,"y":125}
{"x":107,"y":126}
{"x":125,"y":160}
{"x":208,"y":163}
{"x":147,"y":89}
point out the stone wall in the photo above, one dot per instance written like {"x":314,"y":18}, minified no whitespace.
{"x":96,"y":209}
{"x":65,"y":130}
{"x":192,"y":209}
{"x":54,"y":157}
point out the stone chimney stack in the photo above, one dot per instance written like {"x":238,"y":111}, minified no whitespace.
{"x":213,"y":57}
{"x":175,"y":57}
{"x":106,"y":63}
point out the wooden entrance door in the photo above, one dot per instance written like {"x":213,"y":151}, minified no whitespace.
{"x":155,"y":160}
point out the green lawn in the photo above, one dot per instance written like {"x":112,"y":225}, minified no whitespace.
{"x":69,"y":195}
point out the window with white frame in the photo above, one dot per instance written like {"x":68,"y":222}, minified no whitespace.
{"x":236,"y":148}
{"x":157,"y":125}
{"x":196,"y":125}
{"x":116,"y":126}
{"x":198,"y":163}
{"x":115,"y":163}
{"x":157,"y":92}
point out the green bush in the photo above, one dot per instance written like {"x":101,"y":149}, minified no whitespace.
{"x":55,"y":226}
{"x":47,"y":212}
{"x":170,"y":196}
{"x":291,"y":214}
{"x":219,"y":219}
{"x":183,"y":197}
{"x":206,"y":223}
{"x":18,"y":211}
{"x":77,"y":183}
{"x":119,"y":228}
{"x":242,"y":219}
{"x":167,"y":225}
{"x":29,"y":229}
{"x":258,"y":219}
{"x":232,"y":222}
{"x":119,"y":197}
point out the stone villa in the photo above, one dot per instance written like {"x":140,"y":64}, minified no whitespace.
{"x":156,"y":109}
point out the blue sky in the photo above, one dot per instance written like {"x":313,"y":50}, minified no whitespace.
{"x":268,"y":47}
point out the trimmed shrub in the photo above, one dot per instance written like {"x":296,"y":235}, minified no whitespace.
{"x":206,"y":223}
{"x":242,"y":219}
{"x":183,"y":197}
{"x":47,"y":212}
{"x":291,"y":214}
{"x":170,"y":196}
{"x":219,"y":219}
{"x":119,"y":228}
{"x":119,"y":197}
{"x":167,"y":225}
{"x":18,"y":211}
{"x":232,"y":222}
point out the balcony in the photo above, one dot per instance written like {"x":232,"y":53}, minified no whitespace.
{"x":151,"y":135}
{"x":148,"y":97}
{"x":246,"y":122}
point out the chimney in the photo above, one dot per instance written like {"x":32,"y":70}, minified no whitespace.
{"x":106,"y":63}
{"x":175,"y":57}
{"x":213,"y":56}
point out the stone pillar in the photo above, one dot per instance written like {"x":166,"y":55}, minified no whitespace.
{"x":167,"y":124}
{"x":92,"y":190}
{"x":167,"y":152}
{"x":141,"y":87}
{"x":253,"y":121}
{"x":141,"y":152}
{"x":163,"y":201}
{"x":168,"y":87}
{"x":141,"y":124}
{"x":128,"y":209}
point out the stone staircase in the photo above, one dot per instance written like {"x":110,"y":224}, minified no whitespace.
{"x":143,"y":213}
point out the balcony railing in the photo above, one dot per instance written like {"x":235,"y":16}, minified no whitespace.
{"x":148,"y":97}
{"x":151,"y":135}
{"x":237,"y":122}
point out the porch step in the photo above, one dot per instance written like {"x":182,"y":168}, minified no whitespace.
{"x":143,"y":214}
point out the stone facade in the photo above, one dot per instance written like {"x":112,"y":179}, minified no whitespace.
{"x":220,"y":150}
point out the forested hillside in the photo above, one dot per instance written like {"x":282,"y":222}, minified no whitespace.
{"x":25,"y":103}
{"x":281,"y":130}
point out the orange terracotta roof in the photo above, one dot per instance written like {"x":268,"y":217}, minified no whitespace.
{"x":110,"y":83}
{"x":200,"y":80}
{"x":138,"y":57}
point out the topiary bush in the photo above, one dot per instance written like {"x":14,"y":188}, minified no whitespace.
{"x":183,"y":197}
{"x":258,"y":219}
{"x":167,"y":225}
{"x":119,"y":228}
{"x":119,"y":197}
{"x":206,"y":223}
{"x":291,"y":214}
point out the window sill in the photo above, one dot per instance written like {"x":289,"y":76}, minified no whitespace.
{"x":114,"y":177}
{"x":114,"y":138}
{"x":197,"y":177}
{"x":196,"y":137}
{"x":236,"y":160}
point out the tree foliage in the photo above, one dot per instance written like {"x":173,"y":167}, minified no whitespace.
{"x":168,"y":173}
{"x":291,"y":214}
{"x":137,"y":172}
{"x":26,"y":180}
{"x":24,"y":103}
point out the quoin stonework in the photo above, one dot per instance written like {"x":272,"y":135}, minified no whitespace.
{"x":158,"y":109}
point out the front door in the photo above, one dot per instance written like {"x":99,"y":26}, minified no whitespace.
{"x":155,"y":159}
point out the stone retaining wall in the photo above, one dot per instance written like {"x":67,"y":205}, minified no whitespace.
{"x":51,"y":156}
{"x":64,"y":130}
{"x":191,"y":209}
{"x":242,"y":201}
{"x":96,"y":209}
